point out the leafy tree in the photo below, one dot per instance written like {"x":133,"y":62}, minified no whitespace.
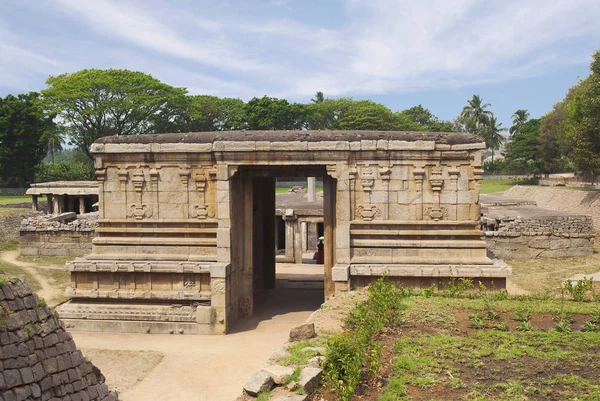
{"x":552,"y":140}
{"x":96,"y":103}
{"x":474,"y":115}
{"x":22,"y":126}
{"x":523,"y":151}
{"x":319,"y":97}
{"x":519,"y":119}
{"x":583,"y":121}
{"x":268,"y":113}
{"x":426,"y":120}
{"x":71,"y":170}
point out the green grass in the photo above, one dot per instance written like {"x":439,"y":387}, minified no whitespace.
{"x":10,"y":245}
{"x":433,"y":355}
{"x":298,"y":356}
{"x":9,"y":199}
{"x":13,"y":271}
{"x":492,"y":186}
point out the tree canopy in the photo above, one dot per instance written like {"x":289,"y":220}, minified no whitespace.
{"x":96,"y":103}
{"x":22,"y":127}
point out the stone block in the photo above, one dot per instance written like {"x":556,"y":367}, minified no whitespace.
{"x":258,"y":383}
{"x":278,"y":373}
{"x":340,"y":272}
{"x":310,"y":379}
{"x":294,"y":397}
{"x":303,"y":332}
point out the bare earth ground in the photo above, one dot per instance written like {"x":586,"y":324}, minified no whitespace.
{"x":198,"y":368}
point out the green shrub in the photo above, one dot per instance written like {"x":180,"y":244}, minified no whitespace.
{"x":580,"y":288}
{"x":348,"y":352}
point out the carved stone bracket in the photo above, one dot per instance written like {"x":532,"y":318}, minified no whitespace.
{"x":101,"y":174}
{"x":333,"y":171}
{"x":385,"y":173}
{"x":184,"y":175}
{"x":368,"y":212}
{"x":123,"y":175}
{"x":436,"y":180}
{"x":419,"y":174}
{"x":437,"y":213}
{"x":367,"y":179}
{"x":138,"y":180}
{"x":140,"y":211}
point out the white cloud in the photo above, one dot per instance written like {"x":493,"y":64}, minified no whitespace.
{"x":370,"y":46}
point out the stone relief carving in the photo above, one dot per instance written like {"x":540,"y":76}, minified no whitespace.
{"x":189,"y":281}
{"x":436,"y":180}
{"x":368,"y":212}
{"x":139,"y":211}
{"x":368,"y":179}
{"x":218,"y":285}
{"x":437,"y":213}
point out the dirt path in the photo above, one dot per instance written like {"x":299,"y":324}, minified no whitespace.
{"x":199,"y":368}
{"x":48,"y":292}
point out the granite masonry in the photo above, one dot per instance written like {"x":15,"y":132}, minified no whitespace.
{"x":516,"y":228}
{"x":185,"y":233}
{"x":38,"y":358}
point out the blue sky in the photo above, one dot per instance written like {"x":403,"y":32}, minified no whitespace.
{"x":438,"y":53}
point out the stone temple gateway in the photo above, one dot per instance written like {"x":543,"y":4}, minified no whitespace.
{"x":185,"y":236}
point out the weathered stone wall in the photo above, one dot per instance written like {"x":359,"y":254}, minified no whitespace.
{"x":41,"y":237}
{"x":38,"y":358}
{"x":10,"y":224}
{"x":528,"y":238}
{"x":56,"y":242}
{"x":561,"y":199}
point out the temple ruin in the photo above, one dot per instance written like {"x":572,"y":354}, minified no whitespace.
{"x":185,"y":235}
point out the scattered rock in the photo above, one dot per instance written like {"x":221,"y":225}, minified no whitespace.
{"x":294,"y":397}
{"x":318,"y":350}
{"x":316,"y":361}
{"x":279,"y":353}
{"x":297,"y":190}
{"x":258,"y":383}
{"x":310,"y":378}
{"x":279,"y":374}
{"x":291,"y":386}
{"x":303,"y":332}
{"x":64,"y":217}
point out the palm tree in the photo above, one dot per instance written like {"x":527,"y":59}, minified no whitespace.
{"x":54,"y":140}
{"x":519,"y":119}
{"x":319,"y":98}
{"x":475,"y":110}
{"x":492,"y":135}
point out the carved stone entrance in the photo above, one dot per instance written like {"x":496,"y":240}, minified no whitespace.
{"x":186,"y":237}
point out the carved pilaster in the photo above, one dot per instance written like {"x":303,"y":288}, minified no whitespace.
{"x":154,"y":176}
{"x":419,"y":175}
{"x":385,"y":173}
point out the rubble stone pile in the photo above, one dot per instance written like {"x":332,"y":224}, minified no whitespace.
{"x":38,"y":358}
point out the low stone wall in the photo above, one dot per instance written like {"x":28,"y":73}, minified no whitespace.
{"x":561,"y":199}
{"x":41,"y":237}
{"x":38,"y":358}
{"x":529,"y":238}
{"x":56,"y":242}
{"x":10,"y":224}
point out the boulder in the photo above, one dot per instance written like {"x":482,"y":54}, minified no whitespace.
{"x":279,"y":374}
{"x":294,"y":397}
{"x":303,"y":332}
{"x":310,"y":379}
{"x":258,"y":383}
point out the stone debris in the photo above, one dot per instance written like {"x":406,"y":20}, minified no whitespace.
{"x":258,"y":383}
{"x":316,"y":361}
{"x":310,"y":379}
{"x":279,"y":353}
{"x":297,"y":190}
{"x":303,"y":332}
{"x":63,"y":217}
{"x":278,"y":373}
{"x":85,"y":222}
{"x":38,"y":358}
{"x":296,"y":397}
{"x":318,"y":350}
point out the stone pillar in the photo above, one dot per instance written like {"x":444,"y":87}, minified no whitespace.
{"x":329,"y":217}
{"x":56,"y":208}
{"x":34,"y":203}
{"x":297,"y":242}
{"x":304,"y":231}
{"x":82,"y":205}
{"x":50,"y":203}
{"x":312,"y":189}
{"x":290,"y":219}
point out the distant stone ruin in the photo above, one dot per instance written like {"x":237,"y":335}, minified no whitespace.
{"x":186,"y":237}
{"x":516,"y":228}
{"x":38,"y":358}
